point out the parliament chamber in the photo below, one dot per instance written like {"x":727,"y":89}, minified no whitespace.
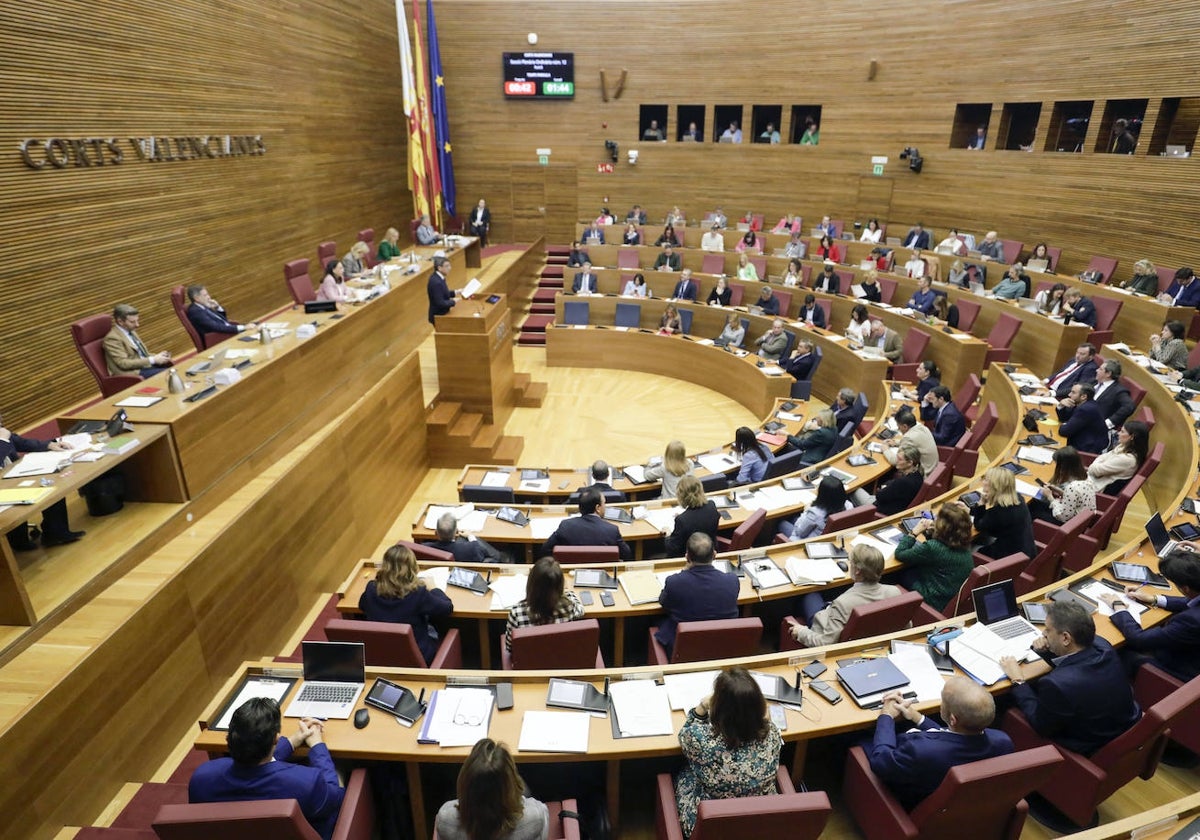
{"x":151,"y":146}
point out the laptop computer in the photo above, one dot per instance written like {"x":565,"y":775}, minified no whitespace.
{"x":870,"y":678}
{"x":334,"y":676}
{"x":1177,"y":151}
{"x":1006,"y":632}
{"x":1159,"y":538}
{"x":1039,"y":266}
{"x":1028,"y":304}
{"x":217,"y":360}
{"x":976,"y":288}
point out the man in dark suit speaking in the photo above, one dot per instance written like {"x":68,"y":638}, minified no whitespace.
{"x":589,"y":528}
{"x":441,"y":299}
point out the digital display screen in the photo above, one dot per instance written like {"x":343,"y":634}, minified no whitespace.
{"x":539,"y":75}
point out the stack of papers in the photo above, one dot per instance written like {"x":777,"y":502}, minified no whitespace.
{"x":457,"y":717}
{"x":38,"y":463}
{"x":663,"y":519}
{"x":436,"y":577}
{"x":717,"y":462}
{"x":541,"y":527}
{"x":641,"y":708}
{"x":494,"y":478}
{"x":763,"y":573}
{"x":508,"y":591}
{"x":923,"y":676}
{"x":805,"y":570}
{"x":641,"y":586}
{"x":1037,"y":454}
{"x":435,"y":513}
{"x":563,"y":732}
{"x":885,"y":547}
{"x":1093,"y":590}
{"x":685,"y":691}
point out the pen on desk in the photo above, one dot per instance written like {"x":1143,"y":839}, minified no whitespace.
{"x":606,"y":686}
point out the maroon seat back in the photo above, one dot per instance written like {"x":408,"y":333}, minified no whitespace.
{"x":744,"y":535}
{"x":967,"y":394}
{"x":968,"y":311}
{"x":1166,"y":276}
{"x":299,"y":284}
{"x":574,"y":644}
{"x":736,"y":293}
{"x":1107,"y":266}
{"x":1043,"y":570}
{"x":1012,"y":250}
{"x":696,"y":641}
{"x":797,"y":816}
{"x":628,"y":258}
{"x":888,"y":615}
{"x":1001,"y":337}
{"x":1107,"y":310}
{"x":326,"y":251}
{"x":386,"y":644}
{"x":179,"y":304}
{"x":1006,"y":568}
{"x":609,"y":554}
{"x":760,"y":265}
{"x":88,"y":334}
{"x":1152,"y":684}
{"x":367,"y":235}
{"x":887,"y":289}
{"x":935,"y":484}
{"x":844,"y":519}
{"x":427,"y":552}
{"x":713,"y":263}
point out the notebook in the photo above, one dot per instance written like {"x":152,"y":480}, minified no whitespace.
{"x":871,"y":677}
{"x":218,"y":359}
{"x":334,"y":676}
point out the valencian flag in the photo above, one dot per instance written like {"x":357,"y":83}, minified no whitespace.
{"x":441,"y":119}
{"x":425,"y":118}
{"x":418,"y":180}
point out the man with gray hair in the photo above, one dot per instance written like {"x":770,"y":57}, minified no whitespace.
{"x":124,"y":351}
{"x":464,"y":548}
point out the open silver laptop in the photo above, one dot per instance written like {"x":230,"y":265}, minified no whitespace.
{"x":1040,"y":266}
{"x":1005,"y":631}
{"x":1177,"y":151}
{"x":1159,"y":538}
{"x":216,"y":361}
{"x":334,"y":675}
{"x":1028,"y":304}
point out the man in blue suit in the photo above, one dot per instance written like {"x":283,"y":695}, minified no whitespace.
{"x":1174,"y":645}
{"x":1085,"y":428}
{"x":701,"y":592}
{"x":589,"y":528}
{"x":810,"y":313}
{"x":1082,"y":368}
{"x":208,"y":316}
{"x":1184,"y":290}
{"x":585,"y":281}
{"x":441,"y":299}
{"x":917,"y":238}
{"x":948,"y":422}
{"x":913,"y":763}
{"x":258,"y":768}
{"x":686,"y":288}
{"x":1086,"y":700}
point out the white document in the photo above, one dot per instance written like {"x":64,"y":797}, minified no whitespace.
{"x":494,"y":478}
{"x":435,"y":513}
{"x":88,"y":457}
{"x":1037,"y":454}
{"x":924,"y":678}
{"x":138,"y":402}
{"x":1034,"y":399}
{"x":565,"y":732}
{"x":832,"y":337}
{"x":641,"y":707}
{"x":458,"y":717}
{"x":474,"y":521}
{"x":983,"y":668}
{"x":38,"y":463}
{"x":1025,"y":488}
{"x":707,"y":342}
{"x":789,"y":417}
{"x":962,"y":336}
{"x":534,"y":485}
{"x":663,"y":519}
{"x":240,"y":354}
{"x":1095,"y":589}
{"x":253,"y":689}
{"x":771,"y":370}
{"x":507,"y":591}
{"x":890,"y":534}
{"x":685,"y":691}
{"x":541,"y":527}
{"x":77,"y":441}
{"x":803,"y":570}
{"x":887,"y":549}
{"x":717,"y":462}
{"x":635,"y":473}
{"x":436,"y":577}
{"x":471,"y":288}
{"x":766,"y":573}
{"x":857,"y":290}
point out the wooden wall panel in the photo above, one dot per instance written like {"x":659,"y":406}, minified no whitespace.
{"x":317,"y":80}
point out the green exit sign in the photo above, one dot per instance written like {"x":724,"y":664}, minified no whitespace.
{"x":558,"y":88}
{"x":877,"y":169}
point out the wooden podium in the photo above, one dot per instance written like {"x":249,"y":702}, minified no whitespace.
{"x":475,"y":357}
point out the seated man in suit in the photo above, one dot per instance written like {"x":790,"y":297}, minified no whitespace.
{"x":1082,"y":368}
{"x":593,"y":234}
{"x":208,"y":316}
{"x":257,"y":766}
{"x":917,"y":238}
{"x":426,"y":233}
{"x":577,"y":256}
{"x":948,"y":422}
{"x":585,"y":281}
{"x":601,"y":478}
{"x":843,"y":409}
{"x":887,"y":340}
{"x":767,"y":302}
{"x":463,"y":549}
{"x":991,"y":248}
{"x":1183,"y":291}
{"x":589,"y":528}
{"x":914,"y":763}
{"x":1174,"y":645}
{"x":922,"y":299}
{"x":1086,"y":700}
{"x":828,"y":281}
{"x":1112,"y":398}
{"x":636,"y":215}
{"x":1078,"y":309}
{"x":773,"y":342}
{"x":801,"y":363}
{"x":918,"y":435}
{"x":124,"y":352}
{"x":824,"y":622}
{"x":810,"y":313}
{"x":1085,"y":430}
{"x":700,"y":592}
{"x":668,"y":260}
{"x":686,"y":288}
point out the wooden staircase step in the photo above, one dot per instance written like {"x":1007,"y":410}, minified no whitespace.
{"x":521,"y":381}
{"x":532,"y":395}
{"x":466,"y":425}
{"x":443,"y":414}
{"x":508,"y":450}
{"x":486,"y":437}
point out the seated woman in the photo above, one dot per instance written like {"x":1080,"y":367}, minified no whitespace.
{"x":699,"y":514}
{"x":730,"y":747}
{"x":859,"y":328}
{"x":676,"y":217}
{"x":749,"y":242}
{"x":721,"y":293}
{"x":952,"y":245}
{"x":896,"y":494}
{"x":1119,"y":463}
{"x":673,"y":467}
{"x":1014,"y":285}
{"x":922,"y":299}
{"x":753,"y":456}
{"x":831,"y":498}
{"x":399,"y":596}
{"x":667,"y":237}
{"x":794,"y":275}
{"x":1040,"y":252}
{"x":958,"y":275}
{"x":636,"y":287}
{"x":752,"y":220}
{"x":1069,"y":491}
{"x":333,"y":287}
{"x":788,"y":224}
{"x":915,"y":267}
{"x":1144,"y":280}
{"x":669,"y":325}
{"x":389,"y":248}
{"x":734,"y":333}
{"x":929,"y":376}
{"x":1050,"y":301}
{"x":945,"y":312}
{"x":872,"y":232}
{"x":354,"y":263}
{"x":545,"y":601}
{"x":870,"y":287}
{"x":746,"y":269}
{"x":817,"y":440}
{"x":1168,"y":347}
{"x":632,"y":235}
{"x":491,"y":803}
{"x":828,"y":250}
{"x":1002,"y":518}
{"x":937,"y":566}
{"x":823,"y":622}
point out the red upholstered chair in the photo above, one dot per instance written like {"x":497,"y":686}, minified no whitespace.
{"x":934,"y":485}
{"x":1053,"y":254}
{"x":394,"y":645}
{"x":785,"y":302}
{"x":299,"y":284}
{"x":827,"y":307}
{"x":92,"y":832}
{"x":736,"y":293}
{"x":88,"y":334}
{"x":889,"y":615}
{"x":887,"y":290}
{"x":1152,"y":684}
{"x":268,"y":819}
{"x":846,"y":279}
{"x":911,"y":351}
{"x":561,"y":828}
{"x":1012,"y":250}
{"x":179,"y":304}
{"x":367,"y":235}
{"x":326,"y":251}
{"x":1107,"y":310}
{"x":1063,"y":540}
{"x":983,"y":800}
{"x":743,"y":536}
{"x":1107,"y":266}
{"x":968,"y":311}
{"x":554,"y":647}
{"x":963,"y":457}
{"x":696,"y":641}
{"x":427,"y":552}
{"x":844,"y":519}
{"x":1000,"y":339}
{"x":1079,"y":786}
{"x":1102,"y":528}
{"x":796,"y":816}
{"x":628,"y":258}
{"x":1166,"y":276}
{"x":964,"y":399}
{"x":713,"y":263}
{"x":1006,"y":568}
{"x":609,"y":554}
